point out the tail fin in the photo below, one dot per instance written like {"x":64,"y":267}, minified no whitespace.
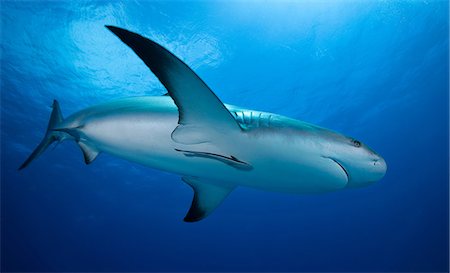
{"x":56,"y":118}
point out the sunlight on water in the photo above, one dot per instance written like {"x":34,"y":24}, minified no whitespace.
{"x":374,"y":70}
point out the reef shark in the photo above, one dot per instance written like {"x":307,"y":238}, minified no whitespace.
{"x":214,"y":147}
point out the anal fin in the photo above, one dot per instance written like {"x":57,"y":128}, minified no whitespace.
{"x":207,"y":197}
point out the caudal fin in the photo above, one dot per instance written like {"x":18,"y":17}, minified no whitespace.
{"x":56,"y":118}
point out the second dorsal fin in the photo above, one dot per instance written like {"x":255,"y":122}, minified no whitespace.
{"x":90,"y":153}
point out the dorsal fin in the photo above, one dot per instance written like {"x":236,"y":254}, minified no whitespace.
{"x":207,"y":197}
{"x":198,"y":106}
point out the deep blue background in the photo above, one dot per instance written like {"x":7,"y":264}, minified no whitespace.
{"x":375,"y":70}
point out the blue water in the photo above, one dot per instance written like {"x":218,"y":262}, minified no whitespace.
{"x":374,"y":70}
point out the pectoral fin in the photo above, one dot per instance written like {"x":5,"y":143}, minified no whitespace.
{"x":207,"y":197}
{"x":198,"y":106}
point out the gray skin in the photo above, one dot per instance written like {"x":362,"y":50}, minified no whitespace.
{"x":284,"y":154}
{"x":214,"y":147}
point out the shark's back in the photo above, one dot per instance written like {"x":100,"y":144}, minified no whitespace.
{"x":246,"y":118}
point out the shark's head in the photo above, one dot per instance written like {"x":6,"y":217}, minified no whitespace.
{"x":362,"y":165}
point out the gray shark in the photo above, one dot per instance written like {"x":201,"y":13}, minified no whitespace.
{"x":214,"y":147}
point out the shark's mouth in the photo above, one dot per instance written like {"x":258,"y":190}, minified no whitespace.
{"x":340,"y":165}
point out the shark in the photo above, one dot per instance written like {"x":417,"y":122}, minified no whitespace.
{"x":213,"y":146}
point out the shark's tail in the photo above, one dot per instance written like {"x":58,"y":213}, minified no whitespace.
{"x":51,"y":135}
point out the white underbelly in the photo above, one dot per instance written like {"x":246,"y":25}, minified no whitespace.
{"x":146,"y":139}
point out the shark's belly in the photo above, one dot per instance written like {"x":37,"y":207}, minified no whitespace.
{"x":145,"y":138}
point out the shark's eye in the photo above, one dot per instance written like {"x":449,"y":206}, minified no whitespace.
{"x":356,"y":143}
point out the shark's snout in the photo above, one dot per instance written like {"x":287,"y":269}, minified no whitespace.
{"x":379,"y":168}
{"x":366,"y":173}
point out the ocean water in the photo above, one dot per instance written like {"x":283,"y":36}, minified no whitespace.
{"x":374,"y":70}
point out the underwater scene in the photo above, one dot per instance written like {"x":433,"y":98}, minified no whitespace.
{"x":224,"y":136}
